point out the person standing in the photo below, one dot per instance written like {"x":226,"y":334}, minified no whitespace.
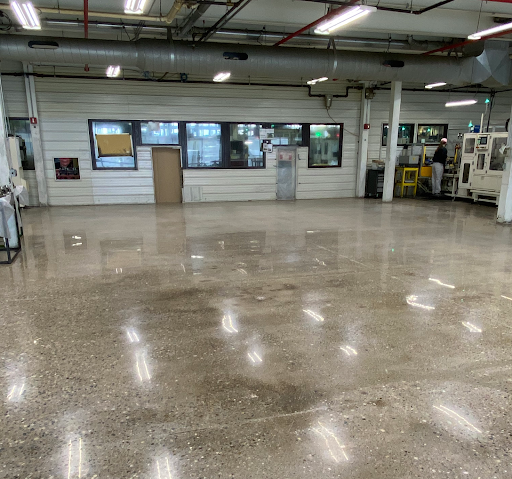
{"x":438,"y":164}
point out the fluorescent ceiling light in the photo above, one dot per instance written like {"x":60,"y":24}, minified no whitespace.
{"x":347,"y":16}
{"x":134,"y":6}
{"x":434,"y":85}
{"x":222,"y":76}
{"x":26,"y":15}
{"x":490,"y":31}
{"x":113,"y":71}
{"x":461,"y":103}
{"x":317,"y":80}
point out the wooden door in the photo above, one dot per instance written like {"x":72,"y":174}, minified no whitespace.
{"x":167,"y":175}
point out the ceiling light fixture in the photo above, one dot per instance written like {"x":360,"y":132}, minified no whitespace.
{"x":343,"y":18}
{"x":113,"y":71}
{"x":317,"y":80}
{"x":26,"y":15}
{"x":461,"y":103}
{"x":434,"y":85}
{"x":134,"y":6}
{"x":490,"y":31}
{"x":222,"y":76}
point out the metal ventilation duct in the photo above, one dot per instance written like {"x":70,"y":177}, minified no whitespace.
{"x":263,"y":62}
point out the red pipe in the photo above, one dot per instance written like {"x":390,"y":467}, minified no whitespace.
{"x":86,"y":25}
{"x":466,"y":42}
{"x":501,"y":1}
{"x":331,"y":14}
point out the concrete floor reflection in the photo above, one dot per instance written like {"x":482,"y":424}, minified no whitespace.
{"x":329,"y":338}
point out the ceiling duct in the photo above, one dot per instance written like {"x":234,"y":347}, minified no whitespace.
{"x":263,"y":62}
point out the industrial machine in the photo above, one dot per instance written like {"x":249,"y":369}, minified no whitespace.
{"x":481,"y":166}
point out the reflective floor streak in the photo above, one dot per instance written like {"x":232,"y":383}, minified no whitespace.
{"x":329,"y":338}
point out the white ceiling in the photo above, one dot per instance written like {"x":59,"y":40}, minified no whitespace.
{"x":457,"y":19}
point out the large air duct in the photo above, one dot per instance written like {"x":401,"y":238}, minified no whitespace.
{"x":260,"y":62}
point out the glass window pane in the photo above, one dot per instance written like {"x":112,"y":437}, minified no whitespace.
{"x":245,"y":146}
{"x":112,"y":152}
{"x":497,"y":157}
{"x":203,"y":145}
{"x":287,"y":134}
{"x":21,"y":128}
{"x":469,"y":145}
{"x":324,"y":143}
{"x":159,"y":133}
{"x":405,"y":134}
{"x":431,"y":134}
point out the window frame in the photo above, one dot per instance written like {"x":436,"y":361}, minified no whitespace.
{"x":413,"y":132}
{"x":444,"y":135}
{"x":135,"y":140}
{"x":225,"y":142}
{"x":306,"y":135}
{"x":140,"y":122}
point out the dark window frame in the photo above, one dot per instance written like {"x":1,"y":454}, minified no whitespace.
{"x":158,"y":121}
{"x":444,"y":135}
{"x":23,"y":118}
{"x":225,"y":143}
{"x":306,"y":135}
{"x":135,"y":140}
{"x":413,"y":131}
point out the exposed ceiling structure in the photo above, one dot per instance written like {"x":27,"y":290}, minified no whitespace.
{"x":266,"y":21}
{"x":415,"y":27}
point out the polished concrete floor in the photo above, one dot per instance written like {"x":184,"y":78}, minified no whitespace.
{"x":338,"y":338}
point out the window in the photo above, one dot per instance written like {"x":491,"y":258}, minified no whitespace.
{"x":432,"y":134}
{"x":112,"y":145}
{"x":469,"y":145}
{"x":21,"y":127}
{"x":324,"y":145}
{"x":287,"y":134}
{"x":204,"y":145}
{"x":245,"y":146}
{"x":159,"y":133}
{"x":497,"y":155}
{"x":405,"y":134}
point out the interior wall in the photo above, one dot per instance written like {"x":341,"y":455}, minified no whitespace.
{"x":66,"y":105}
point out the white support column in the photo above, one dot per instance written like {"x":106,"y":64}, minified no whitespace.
{"x":505,"y":204}
{"x":5,"y":168}
{"x":394,"y":120}
{"x":35,"y":130}
{"x":362,"y":158}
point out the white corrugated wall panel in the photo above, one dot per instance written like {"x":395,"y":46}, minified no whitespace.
{"x":65,"y":105}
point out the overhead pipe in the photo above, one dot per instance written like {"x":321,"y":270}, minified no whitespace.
{"x":256,"y":62}
{"x":239,"y":35}
{"x":86,"y":25}
{"x":331,"y":14}
{"x":453,"y":46}
{"x":192,"y":19}
{"x":398,"y":10}
{"x":175,"y":9}
{"x":234,"y":10}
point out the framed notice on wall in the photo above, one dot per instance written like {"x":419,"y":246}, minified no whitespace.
{"x":67,"y":169}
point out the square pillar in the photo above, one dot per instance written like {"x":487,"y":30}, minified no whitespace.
{"x":392,"y":147}
{"x":505,"y":203}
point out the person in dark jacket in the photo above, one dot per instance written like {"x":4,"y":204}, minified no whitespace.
{"x":438,"y":163}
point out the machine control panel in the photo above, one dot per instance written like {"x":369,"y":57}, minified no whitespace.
{"x":483,"y":142}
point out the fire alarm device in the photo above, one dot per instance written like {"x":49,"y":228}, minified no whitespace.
{"x":33,"y":120}
{"x":366,"y":126}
